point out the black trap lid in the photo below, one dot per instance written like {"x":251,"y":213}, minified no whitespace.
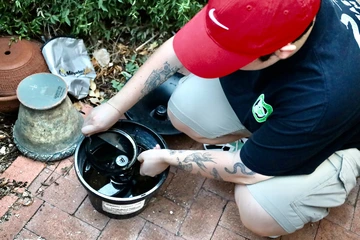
{"x":152,"y":109}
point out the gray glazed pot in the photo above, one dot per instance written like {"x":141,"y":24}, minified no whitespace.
{"x":48,"y":127}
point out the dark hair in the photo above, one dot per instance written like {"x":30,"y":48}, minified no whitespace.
{"x":266,"y":57}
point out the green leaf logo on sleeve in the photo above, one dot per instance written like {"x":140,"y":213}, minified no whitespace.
{"x":261,"y":110}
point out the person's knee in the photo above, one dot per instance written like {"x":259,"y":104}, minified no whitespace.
{"x":184,"y":128}
{"x":253,"y":216}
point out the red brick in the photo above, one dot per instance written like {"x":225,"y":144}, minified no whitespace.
{"x":65,"y":165}
{"x":156,"y":222}
{"x":18,"y":219}
{"x":223,"y":233}
{"x":355,"y":227}
{"x":168,"y":180}
{"x":26,"y":235}
{"x":71,"y":175}
{"x":342,"y":215}
{"x":351,"y":199}
{"x":6,"y":202}
{"x":184,"y":187}
{"x":164,"y":213}
{"x":24,"y":169}
{"x":52,"y":223}
{"x":179,"y":142}
{"x":65,"y":194}
{"x":173,"y":169}
{"x":40,"y":180}
{"x":153,"y":232}
{"x":203,"y":216}
{"x":52,"y":165}
{"x":223,"y":189}
{"x":330,"y":231}
{"x":197,"y":146}
{"x":87,"y":213}
{"x":231,"y":220}
{"x":128,"y":229}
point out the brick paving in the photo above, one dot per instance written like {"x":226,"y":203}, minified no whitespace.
{"x":187,"y":207}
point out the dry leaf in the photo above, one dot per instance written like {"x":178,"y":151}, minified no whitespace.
{"x":123,"y":49}
{"x":77,"y":105}
{"x":95,"y":63}
{"x":95,"y":93}
{"x":144,"y":52}
{"x":94,"y":100}
{"x":87,"y":70}
{"x":118,"y":68}
{"x":92,"y":85}
{"x":3,"y":182}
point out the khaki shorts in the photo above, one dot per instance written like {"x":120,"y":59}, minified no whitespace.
{"x":202,"y":105}
{"x":292,"y":200}
{"x":296,"y":200}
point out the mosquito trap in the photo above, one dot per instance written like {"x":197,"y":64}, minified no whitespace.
{"x":151,"y":110}
{"x":106,"y":165}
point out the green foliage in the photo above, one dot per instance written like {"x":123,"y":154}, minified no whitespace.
{"x":132,"y":65}
{"x":98,"y":19}
{"x":117,"y":85}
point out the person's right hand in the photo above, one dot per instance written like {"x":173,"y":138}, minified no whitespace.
{"x":100,"y":119}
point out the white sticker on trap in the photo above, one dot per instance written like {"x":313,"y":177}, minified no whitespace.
{"x":122,"y":209}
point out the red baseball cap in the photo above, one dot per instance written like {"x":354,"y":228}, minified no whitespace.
{"x":227,"y":35}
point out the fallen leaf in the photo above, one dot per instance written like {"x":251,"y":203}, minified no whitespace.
{"x":3,"y":150}
{"x":94,"y":100}
{"x":87,"y":70}
{"x":3,"y":182}
{"x":143,"y":52}
{"x":77,"y":105}
{"x":95,"y":93}
{"x":92,"y":85}
{"x":118,"y":68}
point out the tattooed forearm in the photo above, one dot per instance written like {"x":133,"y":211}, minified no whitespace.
{"x":172,"y":152}
{"x":186,"y":167}
{"x":157,"y":77}
{"x":199,"y":159}
{"x":242,"y":167}
{"x":216,"y":174}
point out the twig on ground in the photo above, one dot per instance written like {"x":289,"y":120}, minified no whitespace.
{"x":147,"y":41}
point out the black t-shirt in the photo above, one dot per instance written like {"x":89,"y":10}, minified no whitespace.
{"x":303,"y":109}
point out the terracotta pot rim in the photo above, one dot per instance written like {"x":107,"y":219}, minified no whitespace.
{"x":7,"y":98}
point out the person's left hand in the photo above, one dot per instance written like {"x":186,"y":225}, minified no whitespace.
{"x":152,"y":162}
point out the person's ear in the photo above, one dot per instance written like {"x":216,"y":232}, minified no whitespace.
{"x":285,"y":51}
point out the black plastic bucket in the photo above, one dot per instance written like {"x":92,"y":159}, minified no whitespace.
{"x":135,"y":201}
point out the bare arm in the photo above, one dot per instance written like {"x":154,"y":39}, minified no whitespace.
{"x":157,"y":69}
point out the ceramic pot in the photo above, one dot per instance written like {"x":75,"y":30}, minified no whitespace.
{"x":48,"y":127}
{"x":18,"y":60}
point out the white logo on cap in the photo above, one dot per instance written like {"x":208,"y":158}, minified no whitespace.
{"x":212,"y":17}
